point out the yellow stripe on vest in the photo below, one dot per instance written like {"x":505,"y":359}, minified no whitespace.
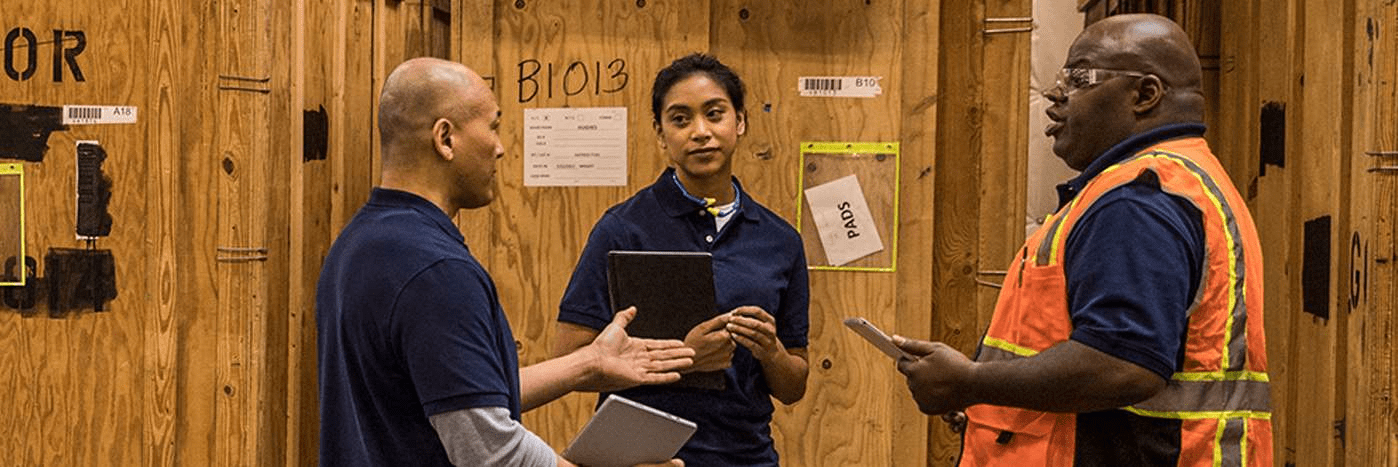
{"x":1225,"y":214}
{"x":1008,"y":347}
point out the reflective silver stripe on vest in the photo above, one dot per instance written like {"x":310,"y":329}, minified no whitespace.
{"x":1046,"y":244}
{"x":1237,"y":343}
{"x":1230,"y":442}
{"x":1211,"y":396}
{"x":1184,"y":396}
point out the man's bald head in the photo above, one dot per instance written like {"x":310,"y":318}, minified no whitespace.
{"x":1152,"y":79}
{"x":1145,"y":43}
{"x":418,"y":93}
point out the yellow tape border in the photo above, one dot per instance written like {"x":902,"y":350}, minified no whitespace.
{"x":851,"y":147}
{"x":17,"y":169}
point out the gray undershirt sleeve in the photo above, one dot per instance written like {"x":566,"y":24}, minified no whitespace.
{"x":488,"y":436}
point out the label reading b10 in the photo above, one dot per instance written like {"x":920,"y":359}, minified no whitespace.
{"x":839,"y":86}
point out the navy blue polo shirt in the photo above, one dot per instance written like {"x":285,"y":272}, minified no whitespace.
{"x":758,"y":260}
{"x":409,"y":326}
{"x":1133,"y":262}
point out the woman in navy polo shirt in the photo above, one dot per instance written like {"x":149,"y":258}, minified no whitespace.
{"x":759,"y":270}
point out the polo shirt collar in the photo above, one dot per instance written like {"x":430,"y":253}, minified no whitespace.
{"x":1124,"y":149}
{"x":676,"y":204}
{"x":388,"y":197}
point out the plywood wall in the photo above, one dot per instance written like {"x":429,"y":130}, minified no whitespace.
{"x":255,"y":143}
{"x":1306,"y":90}
{"x":532,"y":236}
{"x":81,"y":382}
{"x":1368,"y":286}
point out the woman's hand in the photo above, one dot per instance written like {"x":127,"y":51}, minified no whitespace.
{"x":755,"y":329}
{"x":712,"y":344}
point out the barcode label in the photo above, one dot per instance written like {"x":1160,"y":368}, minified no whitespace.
{"x":98,"y":114}
{"x":839,"y":86}
{"x":820,"y":84}
{"x":84,"y":113}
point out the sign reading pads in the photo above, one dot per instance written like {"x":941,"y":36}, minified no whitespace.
{"x":842,"y":218}
{"x":575,"y":146}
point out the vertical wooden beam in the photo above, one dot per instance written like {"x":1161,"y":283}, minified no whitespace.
{"x":1004,"y":145}
{"x":281,"y":170}
{"x":1371,"y":427}
{"x":163,"y":224}
{"x":1381,"y":334}
{"x":185,"y":165}
{"x":1269,"y":50}
{"x":960,"y":135}
{"x":473,"y":44}
{"x":919,"y":109}
{"x":1236,"y":108}
{"x":244,"y":142}
{"x":355,"y":96}
{"x":301,"y":296}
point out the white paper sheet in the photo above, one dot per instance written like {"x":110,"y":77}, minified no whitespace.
{"x":575,"y":146}
{"x":842,"y":218}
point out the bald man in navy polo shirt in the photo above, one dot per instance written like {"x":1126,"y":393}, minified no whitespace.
{"x":417,"y":362}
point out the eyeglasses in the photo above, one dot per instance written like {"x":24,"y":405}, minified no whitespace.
{"x":1071,"y":80}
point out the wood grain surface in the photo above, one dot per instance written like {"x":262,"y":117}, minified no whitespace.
{"x":202,"y":361}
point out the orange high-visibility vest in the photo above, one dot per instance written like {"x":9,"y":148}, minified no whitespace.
{"x":1220,"y":396}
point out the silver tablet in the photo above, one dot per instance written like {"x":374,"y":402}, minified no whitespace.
{"x":624,"y":432}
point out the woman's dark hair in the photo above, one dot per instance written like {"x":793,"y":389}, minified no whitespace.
{"x":690,"y":65}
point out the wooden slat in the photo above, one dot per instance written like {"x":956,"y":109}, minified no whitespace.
{"x":1237,"y":103}
{"x":355,"y":102}
{"x":311,"y":229}
{"x":1354,"y":236}
{"x":1004,"y":150}
{"x":1382,"y":334}
{"x":1272,"y":205}
{"x":1317,"y":160}
{"x":914,"y":308}
{"x":1372,"y":433}
{"x":163,"y":135}
{"x":954,"y":256}
{"x":188,"y":284}
{"x":390,"y":49}
{"x":244,"y":144}
{"x":283,"y":125}
{"x":474,"y":45}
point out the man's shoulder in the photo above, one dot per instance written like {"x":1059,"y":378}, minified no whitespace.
{"x":397,"y":241}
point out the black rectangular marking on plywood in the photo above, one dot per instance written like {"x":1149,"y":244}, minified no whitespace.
{"x":1272,"y":136}
{"x":315,"y":130}
{"x":79,"y":279}
{"x":94,"y":192}
{"x":25,"y":129}
{"x":1315,"y":268}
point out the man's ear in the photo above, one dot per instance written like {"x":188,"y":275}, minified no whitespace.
{"x":659,"y":135}
{"x":742,"y":123}
{"x":1150,"y":92}
{"x":441,"y":138}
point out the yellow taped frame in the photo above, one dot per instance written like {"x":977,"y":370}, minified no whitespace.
{"x":811,"y":147}
{"x":16,"y":170}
